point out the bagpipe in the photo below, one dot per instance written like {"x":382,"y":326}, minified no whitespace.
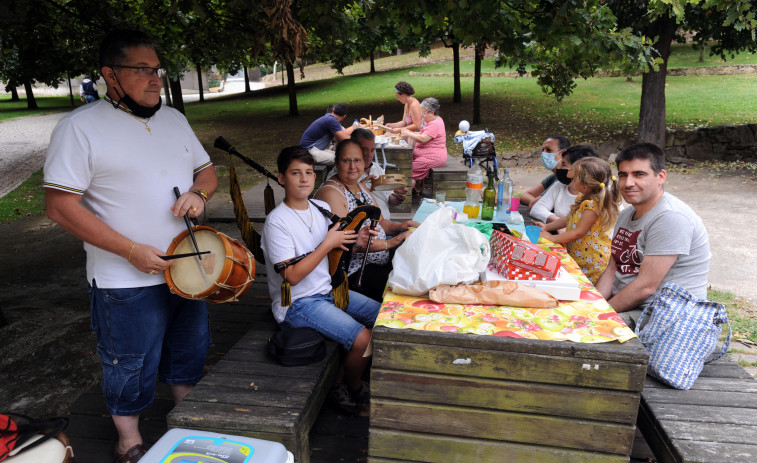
{"x":339,"y":259}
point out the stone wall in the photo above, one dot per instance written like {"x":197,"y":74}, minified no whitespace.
{"x":721,"y":143}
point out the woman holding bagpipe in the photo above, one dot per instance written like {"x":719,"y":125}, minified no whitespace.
{"x":343,"y":192}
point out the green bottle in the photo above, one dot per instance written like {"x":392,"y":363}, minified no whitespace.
{"x":490,"y":200}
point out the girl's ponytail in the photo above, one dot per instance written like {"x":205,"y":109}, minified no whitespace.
{"x":596,"y":174}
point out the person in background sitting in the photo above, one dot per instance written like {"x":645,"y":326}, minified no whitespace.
{"x":320,"y":134}
{"x":551,"y":153}
{"x":589,"y":224}
{"x":429,"y":144}
{"x":559,"y":198}
{"x":411,"y":117}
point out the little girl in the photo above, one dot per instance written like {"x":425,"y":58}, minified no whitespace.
{"x":589,"y":225}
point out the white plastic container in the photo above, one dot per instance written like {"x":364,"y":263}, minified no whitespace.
{"x":564,"y":288}
{"x":193,"y":446}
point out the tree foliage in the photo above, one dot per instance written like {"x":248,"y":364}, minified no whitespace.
{"x":730,"y":23}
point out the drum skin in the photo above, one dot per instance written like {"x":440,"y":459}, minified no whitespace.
{"x":237,"y":267}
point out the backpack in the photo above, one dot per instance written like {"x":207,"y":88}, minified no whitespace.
{"x":14,"y":434}
{"x":297,"y":346}
{"x":90,"y":89}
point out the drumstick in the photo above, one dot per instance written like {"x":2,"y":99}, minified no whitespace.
{"x":188,"y":254}
{"x":194,"y":241}
{"x":188,"y":223}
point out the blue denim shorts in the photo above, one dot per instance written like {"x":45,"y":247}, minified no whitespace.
{"x":320,"y":313}
{"x":144,"y":334}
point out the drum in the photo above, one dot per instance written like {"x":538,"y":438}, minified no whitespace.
{"x":222,"y":276}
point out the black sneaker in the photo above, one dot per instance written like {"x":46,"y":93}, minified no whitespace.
{"x":362,"y":395}
{"x":340,"y":398}
{"x":362,"y":398}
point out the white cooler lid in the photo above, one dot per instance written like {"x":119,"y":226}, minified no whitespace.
{"x":224,"y":447}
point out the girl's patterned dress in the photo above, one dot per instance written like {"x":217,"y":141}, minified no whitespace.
{"x":592,"y":251}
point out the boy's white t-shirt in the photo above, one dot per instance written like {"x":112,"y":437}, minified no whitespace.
{"x":126,"y":176}
{"x":286,"y":236}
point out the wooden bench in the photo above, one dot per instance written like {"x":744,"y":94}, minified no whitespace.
{"x":450,"y":178}
{"x":247,"y":393}
{"x":715,"y":421}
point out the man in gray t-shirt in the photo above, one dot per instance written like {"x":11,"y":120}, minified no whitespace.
{"x":658,"y":240}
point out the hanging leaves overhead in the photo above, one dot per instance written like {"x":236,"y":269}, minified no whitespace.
{"x":289,"y":39}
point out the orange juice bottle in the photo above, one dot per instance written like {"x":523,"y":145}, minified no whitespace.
{"x":474,"y":185}
{"x":471,"y":210}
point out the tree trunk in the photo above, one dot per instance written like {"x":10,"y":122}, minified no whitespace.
{"x":480,"y":49}
{"x":178,"y":101}
{"x":167,"y":90}
{"x":373,"y":65}
{"x":71,"y":90}
{"x":702,"y":48}
{"x":31,"y":102}
{"x":199,"y":79}
{"x":246,"y":80}
{"x":292,"y":91}
{"x":457,"y":97}
{"x":14,"y":94}
{"x":652,"y":109}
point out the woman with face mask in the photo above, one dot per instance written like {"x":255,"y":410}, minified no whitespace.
{"x":559,"y":198}
{"x":551,"y":153}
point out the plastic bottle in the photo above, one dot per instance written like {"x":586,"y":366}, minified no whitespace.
{"x":507,"y":190}
{"x":473,"y":187}
{"x":504,"y":193}
{"x":490,"y":198}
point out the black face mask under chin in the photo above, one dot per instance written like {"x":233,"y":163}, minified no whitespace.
{"x":136,"y":108}
{"x":562,"y":176}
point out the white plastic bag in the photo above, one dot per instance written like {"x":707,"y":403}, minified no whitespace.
{"x":439,"y":252}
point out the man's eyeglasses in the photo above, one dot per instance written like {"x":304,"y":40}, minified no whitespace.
{"x":145,"y":72}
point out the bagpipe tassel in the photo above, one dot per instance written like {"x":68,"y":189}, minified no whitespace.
{"x":269,"y":203}
{"x":342,"y":294}
{"x":286,"y":292}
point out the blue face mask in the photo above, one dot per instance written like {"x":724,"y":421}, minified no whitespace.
{"x":548,"y":160}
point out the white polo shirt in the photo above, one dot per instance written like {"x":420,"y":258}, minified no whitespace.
{"x":126,"y":176}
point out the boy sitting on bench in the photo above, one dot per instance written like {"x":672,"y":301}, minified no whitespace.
{"x":294,"y":228}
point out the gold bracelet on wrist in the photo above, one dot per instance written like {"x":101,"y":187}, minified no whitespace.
{"x":128,"y":259}
{"x":386,"y":245}
{"x":202,"y":193}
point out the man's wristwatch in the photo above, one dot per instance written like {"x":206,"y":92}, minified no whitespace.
{"x":201,"y":193}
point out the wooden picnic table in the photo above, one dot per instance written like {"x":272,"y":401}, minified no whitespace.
{"x":442,"y":393}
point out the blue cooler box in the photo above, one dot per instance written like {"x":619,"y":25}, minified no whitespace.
{"x":191,"y":446}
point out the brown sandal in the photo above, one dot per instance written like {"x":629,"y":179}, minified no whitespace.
{"x":133,"y":455}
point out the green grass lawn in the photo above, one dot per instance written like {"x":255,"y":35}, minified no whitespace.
{"x":24,"y":201}
{"x":46,"y":105}
{"x":741,"y":314}
{"x":681,"y":56}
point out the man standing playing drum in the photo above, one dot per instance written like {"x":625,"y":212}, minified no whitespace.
{"x":109,"y":176}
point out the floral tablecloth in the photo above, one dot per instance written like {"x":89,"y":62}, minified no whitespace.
{"x":590,"y":319}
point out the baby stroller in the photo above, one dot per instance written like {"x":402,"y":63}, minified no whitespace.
{"x":478,"y":146}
